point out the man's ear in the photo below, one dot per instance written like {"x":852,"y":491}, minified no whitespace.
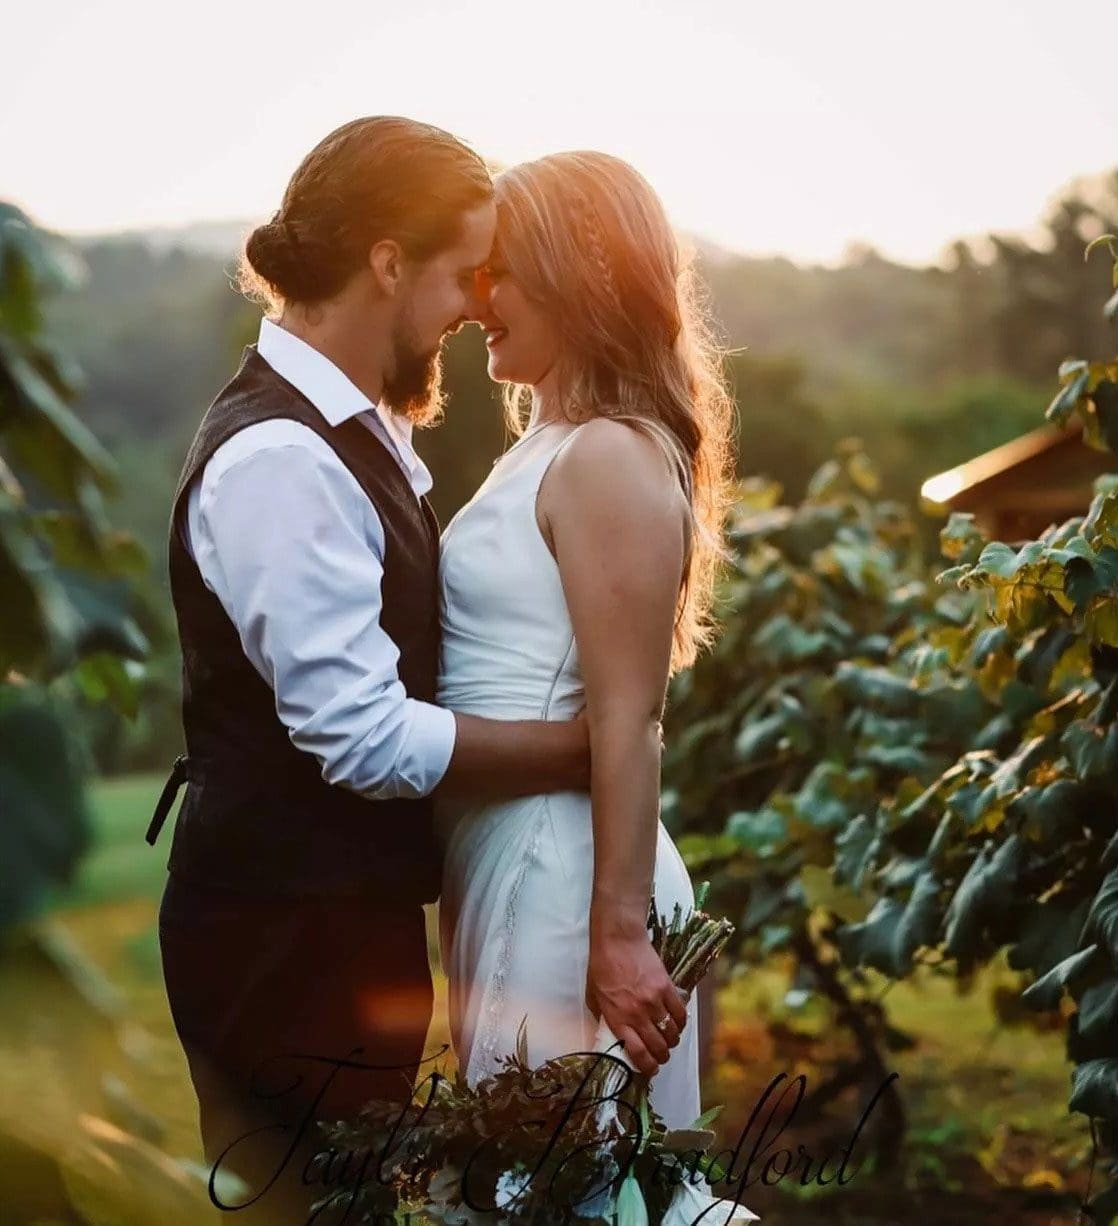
{"x":386,"y":261}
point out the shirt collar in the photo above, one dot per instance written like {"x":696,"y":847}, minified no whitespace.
{"x":330,"y":390}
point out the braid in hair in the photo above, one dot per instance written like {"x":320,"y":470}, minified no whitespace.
{"x":594,"y":240}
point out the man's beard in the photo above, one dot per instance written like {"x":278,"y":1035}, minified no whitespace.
{"x":414,"y":388}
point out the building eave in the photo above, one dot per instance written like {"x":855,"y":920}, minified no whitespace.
{"x":947,"y":487}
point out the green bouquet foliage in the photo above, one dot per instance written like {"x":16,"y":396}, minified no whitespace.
{"x":574,"y":1138}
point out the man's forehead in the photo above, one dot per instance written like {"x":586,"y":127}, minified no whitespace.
{"x":479,"y":232}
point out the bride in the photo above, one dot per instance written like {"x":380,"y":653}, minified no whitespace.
{"x":580,"y":575}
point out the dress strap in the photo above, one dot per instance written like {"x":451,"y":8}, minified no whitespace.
{"x":567,"y":438}
{"x":549,"y":458}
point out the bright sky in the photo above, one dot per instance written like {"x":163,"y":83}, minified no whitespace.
{"x":792,"y":127}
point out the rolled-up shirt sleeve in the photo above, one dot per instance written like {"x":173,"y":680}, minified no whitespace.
{"x":294,"y":550}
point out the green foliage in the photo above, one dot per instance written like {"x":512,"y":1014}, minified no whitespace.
{"x":811,"y":708}
{"x":928,"y":766}
{"x":64,"y":572}
{"x":46,"y":823}
{"x":1090,"y":389}
{"x":62,"y":568}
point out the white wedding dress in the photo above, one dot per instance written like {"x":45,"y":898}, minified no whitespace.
{"x":515,"y":906}
{"x":517,"y":876}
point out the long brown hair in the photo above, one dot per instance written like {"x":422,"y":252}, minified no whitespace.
{"x":586,"y":237}
{"x":373,"y":178}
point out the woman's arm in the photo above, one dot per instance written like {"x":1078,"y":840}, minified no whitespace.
{"x":617,"y":522}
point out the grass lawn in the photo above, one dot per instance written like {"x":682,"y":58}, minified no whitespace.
{"x":984,"y":1102}
{"x":121,"y":864}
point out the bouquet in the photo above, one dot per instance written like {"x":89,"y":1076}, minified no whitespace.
{"x":575,"y":1138}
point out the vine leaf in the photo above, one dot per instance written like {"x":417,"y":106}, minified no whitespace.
{"x":1102,"y":919}
{"x":987,"y":888}
{"x":889,"y":936}
{"x":1095,"y":1088}
{"x":1046,"y":992}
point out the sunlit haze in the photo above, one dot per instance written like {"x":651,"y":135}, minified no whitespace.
{"x":795,"y":128}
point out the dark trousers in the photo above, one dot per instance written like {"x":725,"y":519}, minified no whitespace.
{"x":280,"y":1005}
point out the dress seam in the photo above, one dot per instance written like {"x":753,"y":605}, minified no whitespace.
{"x":492,"y":1008}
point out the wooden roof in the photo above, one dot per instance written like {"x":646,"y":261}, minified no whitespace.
{"x":1046,"y":466}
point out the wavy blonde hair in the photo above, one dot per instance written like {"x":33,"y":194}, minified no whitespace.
{"x":587,"y":239}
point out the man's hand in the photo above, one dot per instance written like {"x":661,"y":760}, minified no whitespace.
{"x":629,"y":987}
{"x":577,"y":731}
{"x":499,"y":759}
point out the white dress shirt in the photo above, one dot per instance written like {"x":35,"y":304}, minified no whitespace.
{"x":293,"y":548}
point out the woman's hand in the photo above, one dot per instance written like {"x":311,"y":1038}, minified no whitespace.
{"x":628,"y":986}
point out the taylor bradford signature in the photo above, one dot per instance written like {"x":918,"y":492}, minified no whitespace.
{"x":351,"y":1171}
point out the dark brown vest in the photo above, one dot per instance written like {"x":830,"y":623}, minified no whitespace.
{"x":258,"y":816}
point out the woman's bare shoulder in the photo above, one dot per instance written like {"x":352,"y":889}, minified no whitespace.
{"x":616,"y":457}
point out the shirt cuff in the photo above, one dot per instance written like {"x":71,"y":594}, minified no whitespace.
{"x":429,"y":746}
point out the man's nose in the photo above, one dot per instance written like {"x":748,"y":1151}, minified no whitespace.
{"x":477,"y":301}
{"x":475,"y":308}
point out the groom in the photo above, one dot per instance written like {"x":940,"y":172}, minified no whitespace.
{"x":304,"y":574}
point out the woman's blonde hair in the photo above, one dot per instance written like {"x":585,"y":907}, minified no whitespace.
{"x":586,"y":238}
